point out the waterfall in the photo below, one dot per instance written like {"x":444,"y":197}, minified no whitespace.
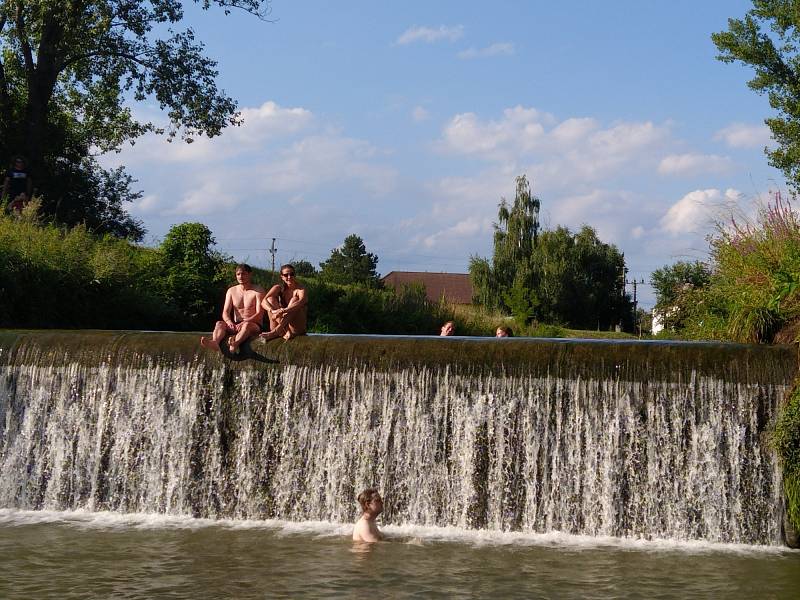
{"x":631,"y":439}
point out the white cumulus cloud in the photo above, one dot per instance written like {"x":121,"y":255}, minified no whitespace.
{"x":277,"y":152}
{"x":742,"y":135}
{"x":413,"y":34}
{"x":698,"y":209}
{"x":694,"y":164}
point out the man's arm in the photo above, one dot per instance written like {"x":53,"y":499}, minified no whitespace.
{"x":298,"y":301}
{"x":227,"y":309}
{"x":6,"y":184}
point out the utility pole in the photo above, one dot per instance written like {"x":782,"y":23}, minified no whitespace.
{"x":623,"y":279}
{"x":635,"y":284}
{"x":273,"y":250}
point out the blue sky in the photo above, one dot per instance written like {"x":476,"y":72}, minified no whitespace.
{"x":405,"y":123}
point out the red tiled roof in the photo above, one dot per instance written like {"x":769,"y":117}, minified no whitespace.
{"x":455,"y":287}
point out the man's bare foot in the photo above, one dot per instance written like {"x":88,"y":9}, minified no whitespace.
{"x":269,"y":335}
{"x":209,"y":343}
{"x":232,"y":347}
{"x":288,"y":335}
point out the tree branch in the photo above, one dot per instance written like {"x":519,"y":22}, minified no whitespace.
{"x":22,"y":36}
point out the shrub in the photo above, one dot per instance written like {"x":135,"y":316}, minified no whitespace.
{"x":755,"y":283}
{"x":787,"y":445}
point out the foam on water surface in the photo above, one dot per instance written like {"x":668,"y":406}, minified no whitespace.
{"x":409,"y":534}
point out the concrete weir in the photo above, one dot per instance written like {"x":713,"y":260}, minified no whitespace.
{"x":592,"y":437}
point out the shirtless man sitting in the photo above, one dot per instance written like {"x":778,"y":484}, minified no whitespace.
{"x":366,"y":530}
{"x":241,"y":315}
{"x":286,"y":305}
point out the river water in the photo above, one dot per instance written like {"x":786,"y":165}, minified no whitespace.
{"x":108,"y":555}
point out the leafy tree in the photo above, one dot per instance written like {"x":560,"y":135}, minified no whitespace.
{"x":553,"y":276}
{"x":515,"y":235}
{"x":68,"y":68}
{"x":578,"y":280}
{"x":194,"y":275}
{"x":670,"y":280}
{"x":351,"y":264}
{"x":303,"y":268}
{"x":678,"y":289}
{"x":767,"y":39}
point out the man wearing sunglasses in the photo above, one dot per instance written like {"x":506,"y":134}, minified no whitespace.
{"x":286,"y":305}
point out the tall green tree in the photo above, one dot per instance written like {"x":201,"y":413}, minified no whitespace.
{"x":670,"y":280}
{"x":767,"y":39}
{"x":351,"y":263}
{"x":194,"y":275}
{"x":552,"y":276}
{"x":679,"y":288}
{"x":515,"y":235}
{"x":68,"y":72}
{"x":579,"y":280}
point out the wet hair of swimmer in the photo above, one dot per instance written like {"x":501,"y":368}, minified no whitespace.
{"x":506,"y":329}
{"x":366,"y":497}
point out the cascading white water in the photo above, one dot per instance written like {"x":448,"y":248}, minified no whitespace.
{"x":535,"y":449}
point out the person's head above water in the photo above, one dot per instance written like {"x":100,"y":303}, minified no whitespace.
{"x":370,"y":501}
{"x":449,"y":328}
{"x":504,"y":331}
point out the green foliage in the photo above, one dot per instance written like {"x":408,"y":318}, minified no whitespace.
{"x":580,"y":280}
{"x":50,"y":277}
{"x":676,"y":287}
{"x":303,"y":268}
{"x":670,"y":280}
{"x":522,"y":302}
{"x":551,"y":276}
{"x":786,"y":440}
{"x":767,"y":39}
{"x":194,"y":276}
{"x":351,"y":264}
{"x":515,"y":236}
{"x":753,"y":290}
{"x":337,"y":308}
{"x":67,"y":70}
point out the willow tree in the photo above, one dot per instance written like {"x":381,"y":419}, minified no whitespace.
{"x":69,"y":73}
{"x":515,"y":235}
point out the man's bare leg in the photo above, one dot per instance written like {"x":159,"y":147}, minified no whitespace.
{"x":279,"y":330}
{"x":247,"y":331}
{"x":220,"y":331}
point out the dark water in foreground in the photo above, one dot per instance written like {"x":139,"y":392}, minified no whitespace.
{"x":72,"y":555}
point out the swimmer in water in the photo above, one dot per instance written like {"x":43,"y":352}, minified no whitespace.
{"x":366,"y":530}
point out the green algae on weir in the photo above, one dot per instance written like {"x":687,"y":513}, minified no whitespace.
{"x":630,"y":360}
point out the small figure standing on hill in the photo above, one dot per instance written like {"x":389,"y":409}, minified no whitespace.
{"x":241,"y":315}
{"x":366,"y":530}
{"x":448,"y":329}
{"x":18,"y":185}
{"x":287,"y":307}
